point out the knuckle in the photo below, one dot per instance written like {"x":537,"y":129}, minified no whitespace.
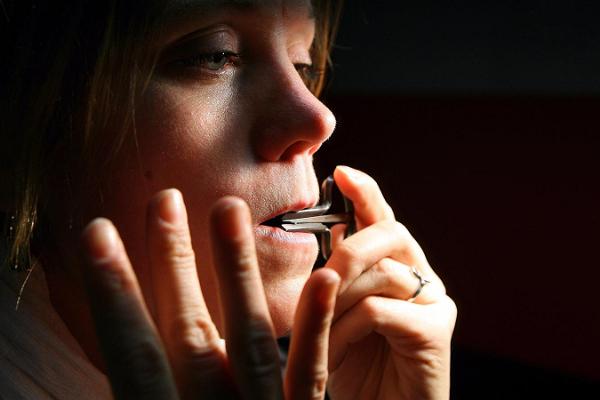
{"x":369,"y":308}
{"x":400,"y":230}
{"x":203,"y":359}
{"x":440,"y":325}
{"x":439,"y":284}
{"x":320,"y":384}
{"x":194,"y":335}
{"x":207,"y":328}
{"x":179,"y":249}
{"x":245,"y":258}
{"x":146,"y":363}
{"x":349,"y":253}
{"x":195,"y":344}
{"x":385,"y":271}
{"x":388,"y":210}
{"x":404,"y":239}
{"x":259,"y":357}
{"x":114,"y":282}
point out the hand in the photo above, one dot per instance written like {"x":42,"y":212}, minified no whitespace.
{"x":382,"y":346}
{"x":180,"y":354}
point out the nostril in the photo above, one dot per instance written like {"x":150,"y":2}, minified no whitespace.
{"x":296,"y":148}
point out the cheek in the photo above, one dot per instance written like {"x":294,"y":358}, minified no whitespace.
{"x":185,"y":140}
{"x":200,"y":143}
{"x":178,"y":129}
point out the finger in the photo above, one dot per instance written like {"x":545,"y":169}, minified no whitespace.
{"x":387,"y":278}
{"x":249,"y":333}
{"x":191,"y":338}
{"x":412,"y":327}
{"x":369,"y":204}
{"x":306,"y":375}
{"x":370,"y":207}
{"x":136,"y":364}
{"x":362,"y":250}
{"x":337,"y":235}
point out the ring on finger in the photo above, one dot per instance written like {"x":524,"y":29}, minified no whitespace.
{"x":422,"y":283}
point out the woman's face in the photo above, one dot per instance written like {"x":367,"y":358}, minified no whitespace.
{"x":227,"y":113}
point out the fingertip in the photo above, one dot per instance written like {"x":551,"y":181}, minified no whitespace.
{"x":328,"y":276}
{"x":227,"y":205}
{"x":339,"y":175}
{"x":100,"y":240}
{"x":364,"y":192}
{"x":168,"y":206}
{"x":322,"y":290}
{"x":323,"y":279}
{"x":226,"y":202}
{"x":230,"y":218}
{"x":350,"y":181}
{"x":350,"y":174}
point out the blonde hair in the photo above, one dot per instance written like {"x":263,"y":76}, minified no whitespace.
{"x":74,"y":72}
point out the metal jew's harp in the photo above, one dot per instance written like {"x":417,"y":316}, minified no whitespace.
{"x":321,"y":218}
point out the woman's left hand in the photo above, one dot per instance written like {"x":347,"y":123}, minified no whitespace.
{"x":383,"y":346}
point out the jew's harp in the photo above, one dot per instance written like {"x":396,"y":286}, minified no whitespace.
{"x":322,"y":217}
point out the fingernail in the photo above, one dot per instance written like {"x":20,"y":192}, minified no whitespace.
{"x":170,"y":207}
{"x":100,"y":240}
{"x":232,"y":219}
{"x":355,"y":175}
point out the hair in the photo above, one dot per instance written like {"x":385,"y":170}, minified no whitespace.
{"x":73,"y":71}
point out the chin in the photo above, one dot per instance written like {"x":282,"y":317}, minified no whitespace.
{"x":282,"y":299}
{"x":286,"y":263}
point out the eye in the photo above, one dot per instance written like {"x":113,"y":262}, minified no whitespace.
{"x":308,"y":72}
{"x":212,"y":62}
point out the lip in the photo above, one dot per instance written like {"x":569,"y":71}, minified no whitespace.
{"x":300,"y":205}
{"x":280,"y":236}
{"x":276,"y":234}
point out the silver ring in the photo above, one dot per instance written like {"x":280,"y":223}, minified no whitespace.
{"x":422,"y":283}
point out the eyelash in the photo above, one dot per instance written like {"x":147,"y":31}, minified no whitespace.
{"x":308,"y":72}
{"x":200,"y":60}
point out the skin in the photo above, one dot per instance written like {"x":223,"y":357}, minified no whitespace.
{"x":256,"y":123}
{"x":171,"y":284}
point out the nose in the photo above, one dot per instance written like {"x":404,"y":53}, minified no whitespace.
{"x":292,"y":121}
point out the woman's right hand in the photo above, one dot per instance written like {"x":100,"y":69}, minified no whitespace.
{"x":180,"y":354}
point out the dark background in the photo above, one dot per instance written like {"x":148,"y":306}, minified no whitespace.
{"x":480,"y":121}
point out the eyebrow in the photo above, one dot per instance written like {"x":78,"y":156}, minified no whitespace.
{"x":179,"y":8}
{"x":183,"y":6}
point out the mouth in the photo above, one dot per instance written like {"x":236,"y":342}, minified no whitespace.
{"x":275,"y":220}
{"x":292,"y":252}
{"x":271,"y":229}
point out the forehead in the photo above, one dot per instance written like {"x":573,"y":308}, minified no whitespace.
{"x":176,"y":8}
